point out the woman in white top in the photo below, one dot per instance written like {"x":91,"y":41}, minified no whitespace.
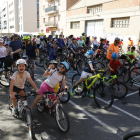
{"x":3,"y":53}
{"x":54,"y":77}
{"x":38,"y":41}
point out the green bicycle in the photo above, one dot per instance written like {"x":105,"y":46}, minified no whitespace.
{"x":103,"y":95}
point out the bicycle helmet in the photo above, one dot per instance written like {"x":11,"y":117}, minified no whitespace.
{"x":53,"y":62}
{"x":89,"y":53}
{"x":66,"y":65}
{"x":131,"y":56}
{"x":41,"y":38}
{"x":5,"y":44}
{"x":117,"y":39}
{"x":21,"y":61}
{"x":26,"y":38}
{"x":114,"y":56}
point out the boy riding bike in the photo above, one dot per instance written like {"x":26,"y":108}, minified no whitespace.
{"x":18,"y":82}
{"x":54,"y":77}
{"x":87,"y":72}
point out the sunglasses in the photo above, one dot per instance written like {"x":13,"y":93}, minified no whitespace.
{"x":62,"y":67}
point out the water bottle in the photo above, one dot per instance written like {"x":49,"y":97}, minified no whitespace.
{"x":19,"y":105}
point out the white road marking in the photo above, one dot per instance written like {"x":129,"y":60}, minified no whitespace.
{"x":125,"y":112}
{"x":126,"y":95}
{"x":93,"y":117}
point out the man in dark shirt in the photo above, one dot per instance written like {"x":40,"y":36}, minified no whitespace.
{"x":15,"y":45}
{"x":60,"y":42}
{"x":102,"y":43}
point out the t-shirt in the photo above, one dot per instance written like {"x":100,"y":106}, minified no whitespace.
{"x":2,"y":52}
{"x":15,"y":45}
{"x":30,"y":50}
{"x":114,"y":65}
{"x":130,"y":53}
{"x":130,"y":43}
{"x":54,"y":79}
{"x":72,"y":46}
{"x":34,"y":40}
{"x":37,"y":40}
{"x":45,"y":39}
{"x":88,"y":69}
{"x":114,"y":49}
{"x":84,"y":38}
{"x":81,"y":42}
{"x":60,"y":43}
{"x":20,"y":82}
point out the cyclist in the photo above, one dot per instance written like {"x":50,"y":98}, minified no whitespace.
{"x":87,"y":72}
{"x":31,"y":49}
{"x":95,"y":43}
{"x":114,"y":64}
{"x":52,"y":50}
{"x":106,"y":46}
{"x":38,"y":41}
{"x":53,"y":79}
{"x":18,"y":81}
{"x":81,"y":42}
{"x":130,"y":43}
{"x":102,"y":40}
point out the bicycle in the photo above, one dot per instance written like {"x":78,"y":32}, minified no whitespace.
{"x":49,"y":104}
{"x":132,"y":134}
{"x":24,"y":112}
{"x":101,"y":89}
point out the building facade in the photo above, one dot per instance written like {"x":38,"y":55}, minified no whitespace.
{"x":19,"y":16}
{"x":104,"y":18}
{"x":52,"y":17}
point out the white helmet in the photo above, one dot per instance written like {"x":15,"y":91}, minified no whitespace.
{"x":21,"y":61}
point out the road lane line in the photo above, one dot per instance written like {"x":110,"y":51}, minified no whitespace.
{"x":125,"y":112}
{"x":93,"y":117}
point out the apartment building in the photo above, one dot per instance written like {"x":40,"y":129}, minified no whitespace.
{"x":52,"y":17}
{"x":20,"y":16}
{"x":104,"y":18}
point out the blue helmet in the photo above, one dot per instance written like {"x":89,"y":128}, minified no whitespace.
{"x":114,"y":56}
{"x":41,"y":37}
{"x":89,"y":53}
{"x":66,"y":65}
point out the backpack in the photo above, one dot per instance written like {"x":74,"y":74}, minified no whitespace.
{"x":8,"y":61}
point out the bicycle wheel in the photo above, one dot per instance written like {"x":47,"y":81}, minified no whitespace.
{"x":29,"y":124}
{"x":31,"y":71}
{"x":5,"y":77}
{"x":100,"y":66}
{"x":80,"y":88}
{"x":64,"y":96}
{"x":119,"y":89}
{"x":134,"y":73}
{"x":10,"y":104}
{"x":80,"y":65}
{"x":132,"y":134}
{"x":39,"y":62}
{"x":62,"y":119}
{"x":126,"y":75}
{"x":40,"y":106}
{"x":103,"y":96}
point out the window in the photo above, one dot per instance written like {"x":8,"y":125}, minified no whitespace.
{"x":120,"y":22}
{"x":21,"y":26}
{"x":12,"y":27}
{"x":59,"y":2}
{"x":95,"y":9}
{"x":21,"y":19}
{"x":43,"y":20}
{"x":11,"y":12}
{"x":75,"y":25}
{"x":37,"y":24}
{"x":59,"y":17}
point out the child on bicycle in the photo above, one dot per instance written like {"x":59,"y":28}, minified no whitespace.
{"x":18,"y":81}
{"x":114,"y":64}
{"x":87,"y":71}
{"x":54,"y":77}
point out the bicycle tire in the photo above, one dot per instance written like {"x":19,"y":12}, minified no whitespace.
{"x":136,"y":71}
{"x":79,"y":90}
{"x":45,"y":63}
{"x":6,"y":79}
{"x":59,"y":109}
{"x":10,"y":104}
{"x":126,"y":75}
{"x":62,"y":97}
{"x":130,"y":135}
{"x":29,"y":124}
{"x":99,"y":95}
{"x":124,"y":89}
{"x":80,"y":65}
{"x":39,"y":107}
{"x":31,"y":71}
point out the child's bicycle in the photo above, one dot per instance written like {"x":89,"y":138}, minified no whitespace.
{"x":135,"y":135}
{"x":119,"y":89}
{"x":54,"y":106}
{"x":24,"y":112}
{"x":102,"y":93}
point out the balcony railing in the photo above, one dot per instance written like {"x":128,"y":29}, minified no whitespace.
{"x":51,"y":9}
{"x":51,"y":24}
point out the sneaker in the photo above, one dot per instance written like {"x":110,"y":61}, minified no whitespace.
{"x":15,"y":112}
{"x":72,"y":92}
{"x":90,"y":95}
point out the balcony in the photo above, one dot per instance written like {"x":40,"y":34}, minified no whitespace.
{"x":50,"y":24}
{"x":48,"y":0}
{"x":51,"y":10}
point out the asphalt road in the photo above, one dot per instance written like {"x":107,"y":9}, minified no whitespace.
{"x":87,"y":121}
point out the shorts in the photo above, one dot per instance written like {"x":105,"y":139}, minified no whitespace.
{"x":17,"y":90}
{"x":52,"y":57}
{"x":44,"y":87}
{"x":31,"y":60}
{"x":16,"y":56}
{"x":38,"y":45}
{"x":60,"y":50}
{"x":85,"y":74}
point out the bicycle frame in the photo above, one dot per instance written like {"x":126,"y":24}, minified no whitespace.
{"x":113,"y":77}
